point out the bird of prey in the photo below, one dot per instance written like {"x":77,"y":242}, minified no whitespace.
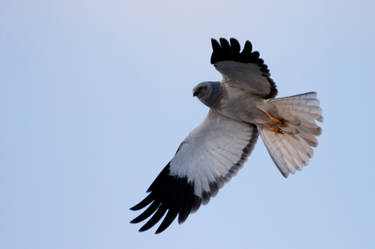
{"x":241,"y":106}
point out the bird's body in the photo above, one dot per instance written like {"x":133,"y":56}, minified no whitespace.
{"x":234,"y":103}
{"x":242,"y":106}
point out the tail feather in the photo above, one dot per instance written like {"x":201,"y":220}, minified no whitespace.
{"x":305,"y":105}
{"x":292,"y":149}
{"x":310,"y":139}
{"x":274,"y":151}
{"x":300,"y":158}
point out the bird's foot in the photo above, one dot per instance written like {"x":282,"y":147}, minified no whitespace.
{"x":275,"y":120}
{"x":277,"y":130}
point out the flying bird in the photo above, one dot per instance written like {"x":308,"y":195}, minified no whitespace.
{"x":241,"y":106}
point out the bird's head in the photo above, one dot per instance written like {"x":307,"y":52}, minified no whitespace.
{"x":208,"y":93}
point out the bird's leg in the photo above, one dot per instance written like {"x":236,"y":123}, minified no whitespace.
{"x":275,"y":120}
{"x":277,"y":130}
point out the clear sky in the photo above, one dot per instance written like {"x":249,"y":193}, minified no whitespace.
{"x":95,"y":97}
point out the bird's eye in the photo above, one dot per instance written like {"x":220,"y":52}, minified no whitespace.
{"x":203,"y":90}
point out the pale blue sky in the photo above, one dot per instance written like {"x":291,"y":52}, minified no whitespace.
{"x":95,"y":97}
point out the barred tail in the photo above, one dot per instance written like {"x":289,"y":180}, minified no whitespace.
{"x":292,"y":149}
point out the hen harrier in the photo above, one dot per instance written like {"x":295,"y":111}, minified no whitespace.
{"x":240,"y":106}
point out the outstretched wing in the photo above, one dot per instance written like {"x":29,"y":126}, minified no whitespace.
{"x":210,"y":155}
{"x":244,"y":69}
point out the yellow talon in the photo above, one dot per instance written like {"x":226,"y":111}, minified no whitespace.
{"x":274,"y":129}
{"x":275,"y":120}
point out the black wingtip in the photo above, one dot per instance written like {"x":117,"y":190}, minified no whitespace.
{"x":168,"y":219}
{"x":155,"y":218}
{"x":230,"y":51}
{"x":168,"y":193}
{"x":147,"y":213}
{"x":224,"y":43}
{"x":143,"y":203}
{"x":215,"y":44}
{"x":224,"y":51}
{"x":216,"y":47}
{"x":133,"y":222}
{"x":235,"y":45}
{"x":248,"y":47}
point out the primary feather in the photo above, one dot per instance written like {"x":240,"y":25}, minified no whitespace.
{"x":241,"y":105}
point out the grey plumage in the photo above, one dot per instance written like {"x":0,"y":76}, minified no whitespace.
{"x":241,"y":106}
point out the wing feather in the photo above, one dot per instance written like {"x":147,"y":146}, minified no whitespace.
{"x":209,"y":156}
{"x":242,"y":69}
